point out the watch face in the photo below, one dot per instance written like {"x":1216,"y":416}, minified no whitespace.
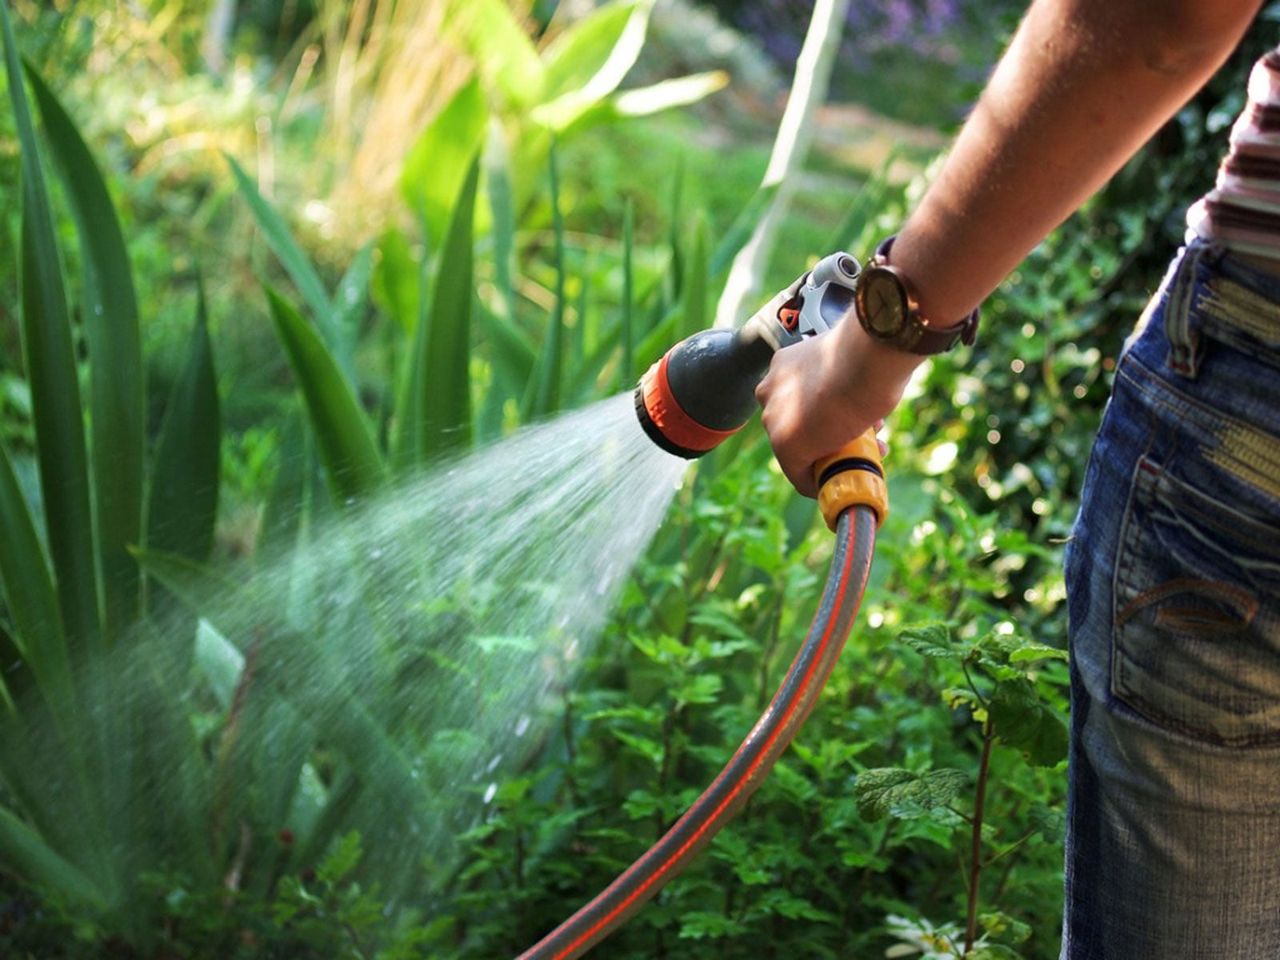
{"x":881,"y":302}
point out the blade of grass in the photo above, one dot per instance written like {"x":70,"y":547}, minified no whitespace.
{"x":436,"y":417}
{"x":55,"y":391}
{"x":182,"y":503}
{"x":675,"y":273}
{"x":693,"y":305}
{"x":293,"y":259}
{"x":543,"y":398}
{"x":115,"y":358}
{"x":497,"y":158}
{"x":347,"y":450}
{"x":628,"y":369}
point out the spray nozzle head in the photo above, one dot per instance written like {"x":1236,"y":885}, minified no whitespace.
{"x":703,"y":389}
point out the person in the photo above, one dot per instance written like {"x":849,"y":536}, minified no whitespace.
{"x":1173,"y":568}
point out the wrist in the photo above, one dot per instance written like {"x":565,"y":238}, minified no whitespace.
{"x":888,"y":308}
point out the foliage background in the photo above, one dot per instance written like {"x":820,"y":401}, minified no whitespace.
{"x":861,"y":842}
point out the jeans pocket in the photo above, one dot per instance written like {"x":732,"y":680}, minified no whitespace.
{"x":1196,"y":630}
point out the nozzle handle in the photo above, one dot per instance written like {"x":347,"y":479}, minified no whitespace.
{"x":852,"y":476}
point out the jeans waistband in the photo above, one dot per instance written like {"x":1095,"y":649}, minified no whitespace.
{"x":1216,"y":294}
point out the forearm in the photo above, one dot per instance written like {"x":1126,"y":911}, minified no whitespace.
{"x":1082,"y":86}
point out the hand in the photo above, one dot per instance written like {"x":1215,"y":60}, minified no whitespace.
{"x":821,"y":393}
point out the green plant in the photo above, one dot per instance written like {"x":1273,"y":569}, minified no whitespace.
{"x":74,"y":599}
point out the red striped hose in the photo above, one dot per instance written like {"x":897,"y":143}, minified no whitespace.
{"x":855,"y":530}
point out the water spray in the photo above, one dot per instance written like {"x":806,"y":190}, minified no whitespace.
{"x":699,"y":394}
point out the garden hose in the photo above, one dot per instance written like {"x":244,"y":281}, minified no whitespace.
{"x":697,"y":395}
{"x":855,"y":529}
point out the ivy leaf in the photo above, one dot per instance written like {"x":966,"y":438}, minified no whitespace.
{"x":1025,"y":722}
{"x":929,"y":639}
{"x":882,"y":790}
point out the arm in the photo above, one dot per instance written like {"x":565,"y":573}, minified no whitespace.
{"x":1082,"y":86}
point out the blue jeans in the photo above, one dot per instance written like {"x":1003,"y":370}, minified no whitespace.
{"x":1173,"y":585}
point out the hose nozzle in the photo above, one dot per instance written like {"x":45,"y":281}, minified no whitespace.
{"x":703,"y":389}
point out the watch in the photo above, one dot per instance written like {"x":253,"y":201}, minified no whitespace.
{"x":888,"y":310}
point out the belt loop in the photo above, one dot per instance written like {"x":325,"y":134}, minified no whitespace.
{"x":1183,"y":337}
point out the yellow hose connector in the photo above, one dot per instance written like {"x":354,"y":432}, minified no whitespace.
{"x":853,"y":475}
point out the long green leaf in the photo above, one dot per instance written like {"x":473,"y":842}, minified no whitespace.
{"x":438,"y":163}
{"x":38,"y":863}
{"x":694,"y":296}
{"x":55,"y":391}
{"x":28,"y":588}
{"x":545,"y":388}
{"x":347,"y":450}
{"x":437,"y":415}
{"x":503,"y":53}
{"x":182,"y":506}
{"x":588,"y":61}
{"x":643,"y":101}
{"x":295,"y":262}
{"x":628,"y":367}
{"x":115,"y":360}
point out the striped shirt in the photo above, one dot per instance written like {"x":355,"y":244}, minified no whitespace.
{"x":1242,"y":211}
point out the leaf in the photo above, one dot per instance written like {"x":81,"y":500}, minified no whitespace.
{"x":1030,"y":652}
{"x":397,"y":280}
{"x":666,"y":94}
{"x":543,"y":396}
{"x":28,"y":588}
{"x":1025,"y":722}
{"x":291,"y":256}
{"x":28,"y":855}
{"x":587,"y":62}
{"x":440,"y":161}
{"x":182,"y":504}
{"x":341,"y":859}
{"x":930,"y":640}
{"x":694,"y":295}
{"x":347,"y":450}
{"x":881,"y":790}
{"x":643,"y":101}
{"x":110,"y":311}
{"x":435,"y":417}
{"x":628,"y":367}
{"x":497,"y":174}
{"x":504,"y":55}
{"x":352,"y":297}
{"x":51,"y":373}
